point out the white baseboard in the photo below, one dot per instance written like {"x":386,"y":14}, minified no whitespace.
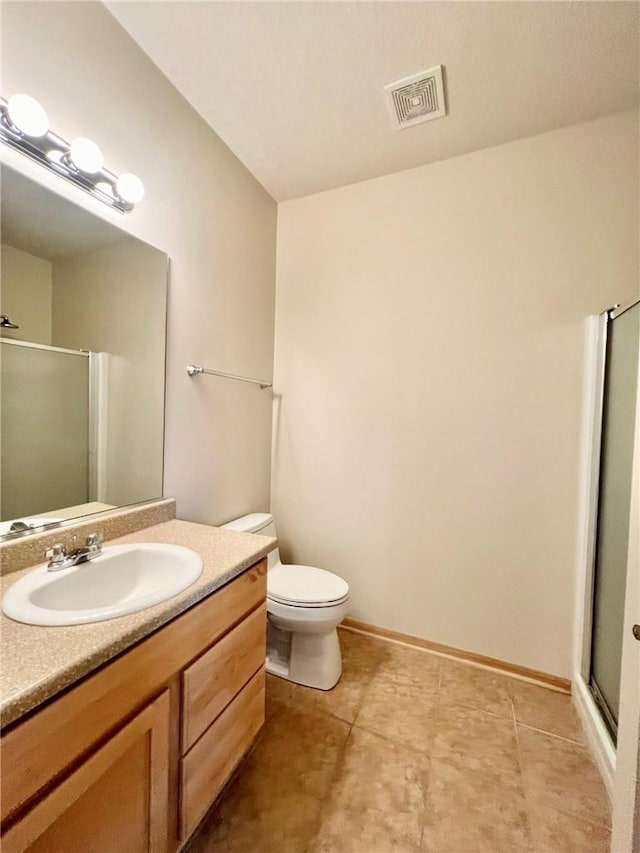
{"x":598,"y":737}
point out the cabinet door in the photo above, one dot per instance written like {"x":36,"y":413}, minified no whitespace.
{"x":115,"y":800}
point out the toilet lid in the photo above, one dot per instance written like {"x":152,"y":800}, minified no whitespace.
{"x":305,"y":585}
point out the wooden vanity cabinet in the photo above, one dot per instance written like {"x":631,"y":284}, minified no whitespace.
{"x":132,"y":757}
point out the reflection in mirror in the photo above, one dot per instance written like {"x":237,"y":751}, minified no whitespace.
{"x":82,"y":359}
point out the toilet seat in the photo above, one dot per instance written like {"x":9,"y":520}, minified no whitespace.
{"x":305,"y":586}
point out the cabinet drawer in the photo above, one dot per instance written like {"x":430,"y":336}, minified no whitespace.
{"x":219,"y":674}
{"x":207,"y":766}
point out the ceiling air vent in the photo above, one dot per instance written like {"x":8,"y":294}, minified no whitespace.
{"x":417,"y":98}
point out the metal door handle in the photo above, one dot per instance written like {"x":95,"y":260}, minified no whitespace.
{"x":636,"y":631}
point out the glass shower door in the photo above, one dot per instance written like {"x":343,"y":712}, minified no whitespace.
{"x":43,"y":469}
{"x":614,"y":498}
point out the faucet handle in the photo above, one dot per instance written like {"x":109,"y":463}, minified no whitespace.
{"x":56,"y":554}
{"x":94,"y":540}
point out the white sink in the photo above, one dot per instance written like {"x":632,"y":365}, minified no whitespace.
{"x":123,"y":579}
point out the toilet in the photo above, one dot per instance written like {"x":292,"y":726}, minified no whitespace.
{"x":305,"y":605}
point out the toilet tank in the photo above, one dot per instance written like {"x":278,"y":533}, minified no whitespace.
{"x":257,"y":522}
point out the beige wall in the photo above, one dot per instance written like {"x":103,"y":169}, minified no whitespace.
{"x":113,"y":300}
{"x":202,"y":207}
{"x":25,"y":295}
{"x":428,"y":367}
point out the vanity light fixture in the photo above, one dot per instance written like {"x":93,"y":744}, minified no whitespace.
{"x":24,"y":125}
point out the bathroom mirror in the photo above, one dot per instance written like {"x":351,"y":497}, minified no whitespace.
{"x":82,"y":361}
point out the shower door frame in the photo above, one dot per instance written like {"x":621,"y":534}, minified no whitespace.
{"x":588,"y":707}
{"x":604,"y":320}
{"x":593,"y":487}
{"x":598,"y":737}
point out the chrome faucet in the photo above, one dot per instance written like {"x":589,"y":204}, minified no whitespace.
{"x":59,"y":559}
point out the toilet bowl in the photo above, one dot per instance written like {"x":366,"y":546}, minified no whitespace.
{"x":305,"y":605}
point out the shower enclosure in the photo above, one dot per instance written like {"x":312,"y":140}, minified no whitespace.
{"x":42,"y":470}
{"x":620,"y":338}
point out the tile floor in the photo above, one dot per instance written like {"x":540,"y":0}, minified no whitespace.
{"x":412,"y":753}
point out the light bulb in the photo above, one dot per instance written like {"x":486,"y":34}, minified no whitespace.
{"x":86,"y":156}
{"x":28,"y":116}
{"x":105,"y":187}
{"x":130,"y":188}
{"x":54,"y":155}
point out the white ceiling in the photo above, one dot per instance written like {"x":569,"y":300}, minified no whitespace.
{"x":296,"y":88}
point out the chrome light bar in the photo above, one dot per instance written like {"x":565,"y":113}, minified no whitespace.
{"x":24,"y":126}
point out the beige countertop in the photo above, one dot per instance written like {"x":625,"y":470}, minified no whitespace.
{"x":38,"y":662}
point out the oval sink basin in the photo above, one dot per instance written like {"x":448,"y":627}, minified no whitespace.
{"x":123,"y":579}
